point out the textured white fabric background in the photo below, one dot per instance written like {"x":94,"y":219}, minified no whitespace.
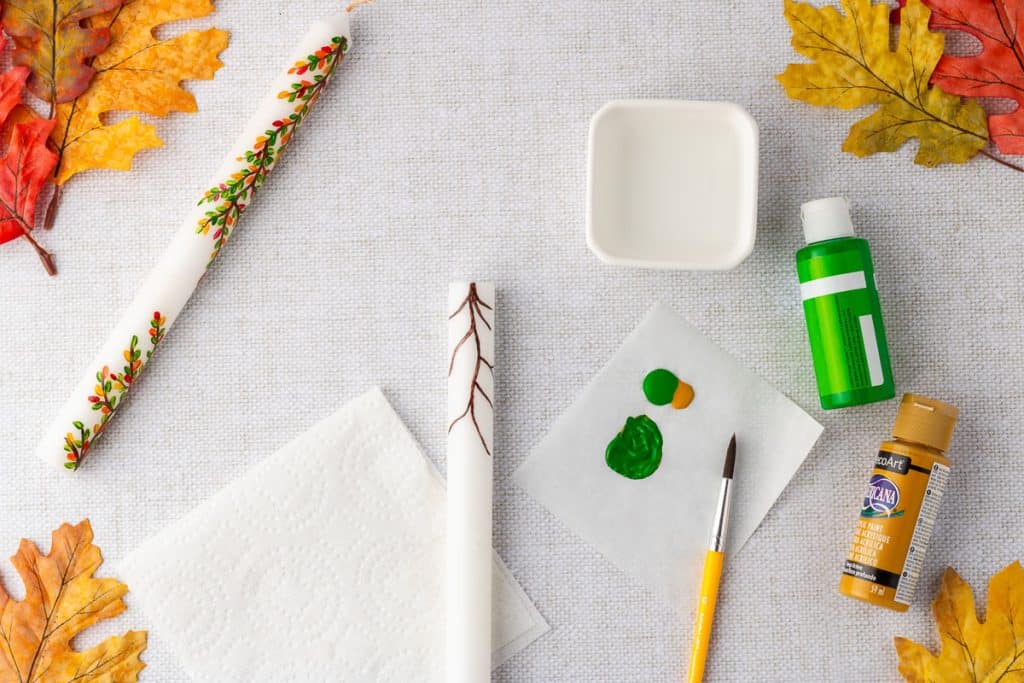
{"x":453,"y":145}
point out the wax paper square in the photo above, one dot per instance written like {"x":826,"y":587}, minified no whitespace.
{"x":657,"y":528}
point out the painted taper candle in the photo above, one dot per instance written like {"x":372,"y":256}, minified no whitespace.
{"x":195,"y":246}
{"x":471,"y":320}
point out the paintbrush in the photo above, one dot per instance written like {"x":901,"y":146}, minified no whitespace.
{"x":712,"y":576}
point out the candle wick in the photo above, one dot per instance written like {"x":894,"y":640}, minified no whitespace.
{"x":356,"y":3}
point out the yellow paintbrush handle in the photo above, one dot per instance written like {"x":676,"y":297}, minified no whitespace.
{"x":705,"y":614}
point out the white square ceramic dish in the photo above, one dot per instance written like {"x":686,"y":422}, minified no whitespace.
{"x":672,"y":184}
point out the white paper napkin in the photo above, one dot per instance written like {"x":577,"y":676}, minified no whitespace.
{"x":656,"y":529}
{"x":325,"y":562}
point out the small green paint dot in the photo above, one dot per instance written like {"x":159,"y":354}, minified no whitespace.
{"x":635,"y":452}
{"x":659,"y":386}
{"x":662,"y":387}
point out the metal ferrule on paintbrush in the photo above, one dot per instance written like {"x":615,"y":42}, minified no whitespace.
{"x":721,"y":524}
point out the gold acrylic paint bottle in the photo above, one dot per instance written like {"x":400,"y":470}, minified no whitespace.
{"x":900,"y":506}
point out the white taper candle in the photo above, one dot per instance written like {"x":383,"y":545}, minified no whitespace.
{"x":471,"y":319}
{"x":196,"y":244}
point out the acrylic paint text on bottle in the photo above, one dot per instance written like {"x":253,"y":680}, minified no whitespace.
{"x":844,"y":317}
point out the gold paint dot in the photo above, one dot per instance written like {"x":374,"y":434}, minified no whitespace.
{"x":683,"y":396}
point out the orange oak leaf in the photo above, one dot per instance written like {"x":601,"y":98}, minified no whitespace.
{"x":997,"y":70}
{"x":50,"y":38}
{"x":62,"y":599}
{"x":138,"y":72}
{"x":27,"y":164}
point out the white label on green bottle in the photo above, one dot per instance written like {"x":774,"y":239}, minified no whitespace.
{"x":867,"y":330}
{"x":833,"y":284}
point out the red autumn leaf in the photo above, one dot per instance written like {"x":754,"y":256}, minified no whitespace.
{"x":24,"y":171}
{"x":27,"y":163}
{"x":21,"y":113}
{"x":12,"y":85}
{"x":996,"y":71}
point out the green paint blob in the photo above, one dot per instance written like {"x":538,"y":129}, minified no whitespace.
{"x":635,"y":452}
{"x":660,"y":386}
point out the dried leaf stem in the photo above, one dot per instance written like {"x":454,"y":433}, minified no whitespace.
{"x":26,"y":231}
{"x":1002,"y":161}
{"x":51,"y":209}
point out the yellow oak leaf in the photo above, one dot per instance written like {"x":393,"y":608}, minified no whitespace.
{"x":854,"y":66}
{"x":972,"y":651}
{"x":138,"y":72}
{"x":62,"y":599}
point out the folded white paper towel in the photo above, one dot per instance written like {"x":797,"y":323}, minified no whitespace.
{"x":325,"y":562}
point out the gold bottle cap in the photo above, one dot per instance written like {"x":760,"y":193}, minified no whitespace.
{"x":925,"y":421}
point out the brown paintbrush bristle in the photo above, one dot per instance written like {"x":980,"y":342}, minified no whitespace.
{"x":730,"y":459}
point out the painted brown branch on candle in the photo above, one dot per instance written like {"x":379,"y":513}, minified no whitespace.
{"x":475,"y":306}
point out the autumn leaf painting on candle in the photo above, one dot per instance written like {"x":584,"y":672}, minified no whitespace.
{"x":205,"y":229}
{"x":75,"y":62}
{"x":229,"y":197}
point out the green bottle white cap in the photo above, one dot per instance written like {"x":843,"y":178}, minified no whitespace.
{"x":826,"y":219}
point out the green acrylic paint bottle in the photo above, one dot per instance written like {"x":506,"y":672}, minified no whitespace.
{"x":844,"y":318}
